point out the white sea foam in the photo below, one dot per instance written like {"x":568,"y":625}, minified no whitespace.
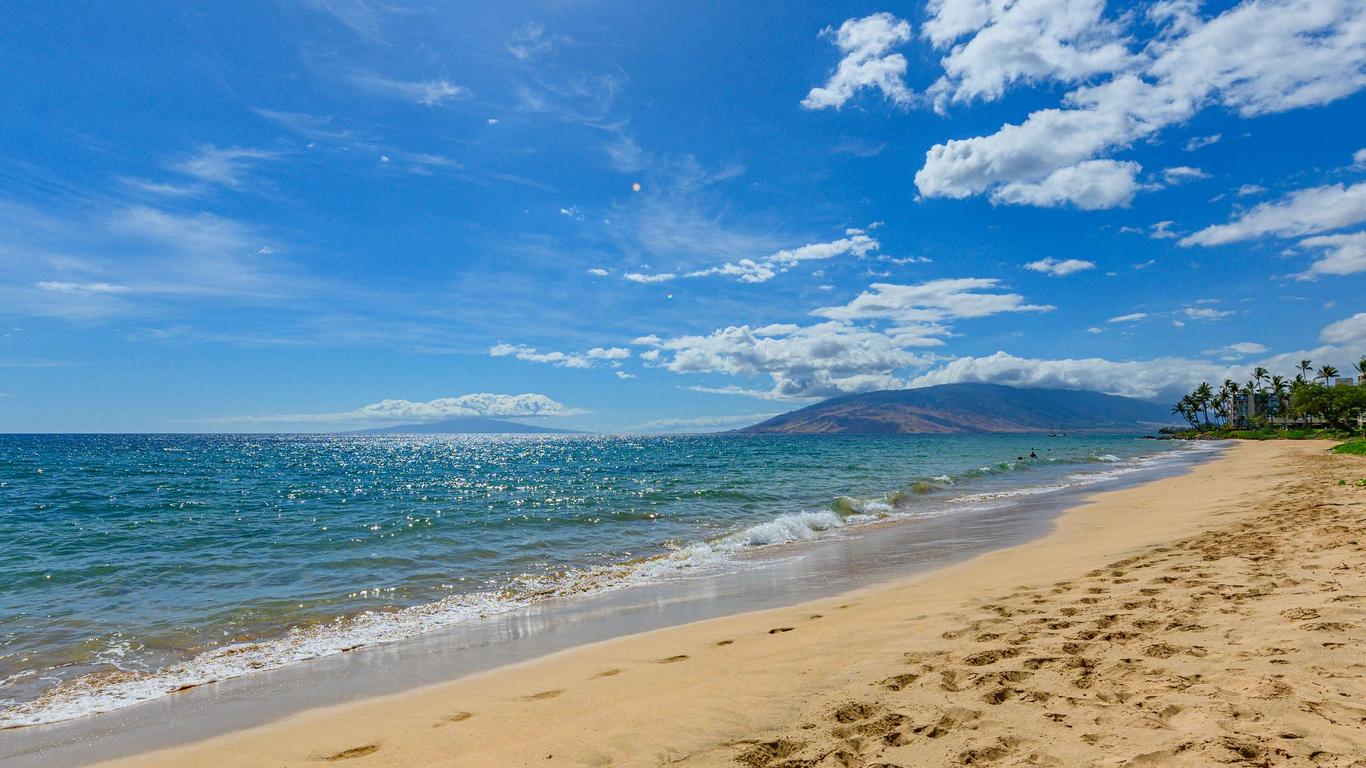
{"x":93,"y":694}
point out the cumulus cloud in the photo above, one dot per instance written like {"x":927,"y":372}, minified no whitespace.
{"x":1182,"y":173}
{"x":1147,"y":379}
{"x":1163,"y":379}
{"x":1060,"y":267}
{"x":1302,"y":212}
{"x":1023,"y":41}
{"x":1237,"y":351}
{"x":931,"y":302}
{"x":1255,"y":58}
{"x":1350,"y":331}
{"x":486,"y":404}
{"x":768,"y":267}
{"x":1132,"y":317}
{"x":859,"y":346}
{"x":608,"y":355}
{"x":479,"y":404}
{"x":868,"y":62}
{"x":1339,"y":254}
{"x":1089,"y":185}
{"x":820,"y":360}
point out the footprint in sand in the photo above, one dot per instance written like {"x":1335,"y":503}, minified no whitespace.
{"x":353,"y":753}
{"x":725,"y":642}
{"x":777,"y":630}
{"x":816,"y":616}
{"x":542,"y":696}
{"x":608,"y":673}
{"x":458,"y":717}
{"x":674,"y":659}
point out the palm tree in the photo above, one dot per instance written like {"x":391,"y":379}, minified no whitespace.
{"x":1258,"y":374}
{"x":1304,"y":367}
{"x":1278,"y":389}
{"x":1204,"y":398}
{"x":1361,"y":369}
{"x":1326,"y":372}
{"x":1228,"y":393}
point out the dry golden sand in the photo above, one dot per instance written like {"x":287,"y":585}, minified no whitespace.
{"x":1213,"y":618}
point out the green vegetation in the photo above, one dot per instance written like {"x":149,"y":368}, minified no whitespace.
{"x":1355,"y":447}
{"x":1271,"y":406}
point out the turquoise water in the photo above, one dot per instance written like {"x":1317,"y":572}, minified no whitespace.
{"x":136,"y":565}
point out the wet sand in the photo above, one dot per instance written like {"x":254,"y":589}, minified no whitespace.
{"x":1214,"y":617}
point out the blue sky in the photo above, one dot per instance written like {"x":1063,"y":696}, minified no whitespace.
{"x":323,"y":215}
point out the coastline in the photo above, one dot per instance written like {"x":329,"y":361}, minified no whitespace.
{"x":685,"y":691}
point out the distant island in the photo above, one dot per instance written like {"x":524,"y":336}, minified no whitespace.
{"x":468,"y":425}
{"x":960,"y":408}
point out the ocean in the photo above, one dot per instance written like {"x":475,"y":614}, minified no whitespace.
{"x":134,"y":566}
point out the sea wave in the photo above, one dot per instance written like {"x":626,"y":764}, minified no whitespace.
{"x":941,"y":494}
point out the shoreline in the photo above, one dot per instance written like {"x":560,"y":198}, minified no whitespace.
{"x":776,"y":575}
{"x":541,"y":694}
{"x":752,"y":541}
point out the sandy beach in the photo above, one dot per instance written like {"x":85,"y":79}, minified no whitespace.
{"x":1214,"y":617}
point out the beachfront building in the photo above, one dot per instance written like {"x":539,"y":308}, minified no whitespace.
{"x":1244,"y":409}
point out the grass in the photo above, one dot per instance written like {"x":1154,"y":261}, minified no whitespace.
{"x":1354,"y":447}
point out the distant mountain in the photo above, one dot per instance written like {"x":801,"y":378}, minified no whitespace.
{"x":469,"y":425}
{"x":949,"y":408}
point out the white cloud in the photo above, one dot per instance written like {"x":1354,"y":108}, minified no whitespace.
{"x":931,"y":302}
{"x":1180,"y":174}
{"x":479,"y":404}
{"x":704,"y":423}
{"x":1351,"y":330}
{"x":868,"y":63}
{"x":1359,"y":158}
{"x":1198,"y":142}
{"x":532,"y":41}
{"x":640,"y":277}
{"x":765,"y":269}
{"x":598,"y":272}
{"x":1340,"y":254}
{"x":623,"y":375}
{"x":429,"y":93}
{"x":588,"y":359}
{"x":1302,"y":212}
{"x":1146,"y":379}
{"x":820,"y":360}
{"x":1132,"y":317}
{"x":1089,"y":185}
{"x":1019,"y":42}
{"x":1250,"y":189}
{"x":1236,"y":351}
{"x":1257,"y":58}
{"x":485,"y":404}
{"x":1206,"y":313}
{"x":65,"y":287}
{"x":1162,"y":379}
{"x":1162,"y":230}
{"x":1060,"y":268}
{"x":225,"y":166}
